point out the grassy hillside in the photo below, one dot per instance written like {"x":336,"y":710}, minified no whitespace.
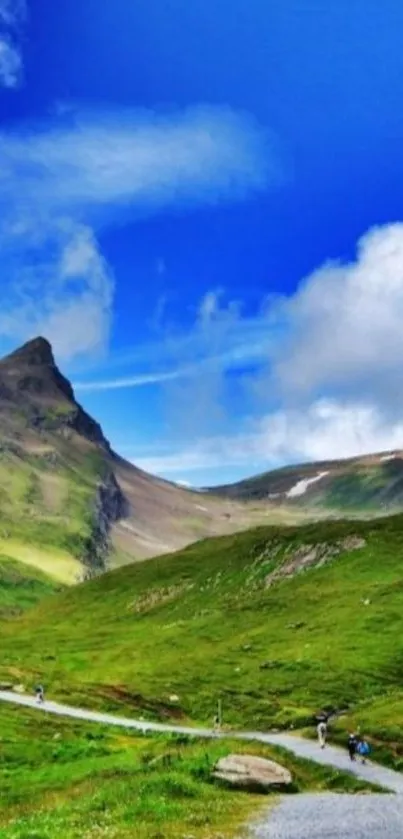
{"x":232,"y":618}
{"x":21,"y":586}
{"x":60,"y":778}
{"x":46,"y":504}
{"x":369,"y":484}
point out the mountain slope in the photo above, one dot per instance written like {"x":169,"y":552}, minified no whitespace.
{"x":21,"y":587}
{"x":369,"y":483}
{"x":279,"y":623}
{"x":68,"y":504}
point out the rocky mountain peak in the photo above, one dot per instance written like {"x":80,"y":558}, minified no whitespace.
{"x":37,"y":352}
{"x":32,"y":369}
{"x":31,"y":381}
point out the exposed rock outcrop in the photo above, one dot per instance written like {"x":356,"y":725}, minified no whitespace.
{"x":255,"y":774}
{"x":308,"y":556}
{"x":110,"y":505}
{"x":83,"y":424}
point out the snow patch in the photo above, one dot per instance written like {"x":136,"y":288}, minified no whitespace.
{"x":301,"y":487}
{"x":389,"y":457}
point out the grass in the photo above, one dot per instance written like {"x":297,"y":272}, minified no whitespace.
{"x":80,"y":781}
{"x":202,"y":624}
{"x":21,"y":587}
{"x":383,"y":718}
{"x":46,"y":504}
{"x":359,"y":489}
{"x":57,"y":564}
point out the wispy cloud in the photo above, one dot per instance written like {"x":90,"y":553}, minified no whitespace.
{"x":202,"y":350}
{"x":62,"y":181}
{"x":58,"y":285}
{"x":142,"y":380}
{"x":137,"y":159}
{"x":12,"y":18}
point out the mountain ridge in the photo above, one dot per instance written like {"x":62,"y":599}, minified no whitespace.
{"x":63,"y":485}
{"x":368,"y":482}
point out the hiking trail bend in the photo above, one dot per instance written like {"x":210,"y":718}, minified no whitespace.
{"x":330,"y":756}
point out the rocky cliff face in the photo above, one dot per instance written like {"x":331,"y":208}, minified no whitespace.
{"x":87,"y":427}
{"x":110,"y":505}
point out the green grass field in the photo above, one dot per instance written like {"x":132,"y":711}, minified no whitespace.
{"x":46,"y":503}
{"x":202,"y":625}
{"x":60,"y":778}
{"x":21,"y":586}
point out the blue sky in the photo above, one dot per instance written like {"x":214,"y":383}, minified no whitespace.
{"x":201,"y":208}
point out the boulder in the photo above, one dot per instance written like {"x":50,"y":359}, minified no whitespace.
{"x":248,"y":772}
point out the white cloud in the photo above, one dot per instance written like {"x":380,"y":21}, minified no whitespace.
{"x":12,"y":17}
{"x":60,"y":287}
{"x":327,"y":429}
{"x":344,"y":324}
{"x":339,"y":334}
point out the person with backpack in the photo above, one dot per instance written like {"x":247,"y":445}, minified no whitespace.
{"x":363,"y":750}
{"x":352,"y":744}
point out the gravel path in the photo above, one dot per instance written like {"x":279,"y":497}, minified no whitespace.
{"x":331,"y":756}
{"x":330,"y":816}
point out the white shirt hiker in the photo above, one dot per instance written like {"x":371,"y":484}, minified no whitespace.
{"x":322,"y":731}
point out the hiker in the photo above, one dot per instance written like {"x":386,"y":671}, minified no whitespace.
{"x":352,"y":744}
{"x":363,"y":749}
{"x":40,"y":694}
{"x":322,"y":733}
